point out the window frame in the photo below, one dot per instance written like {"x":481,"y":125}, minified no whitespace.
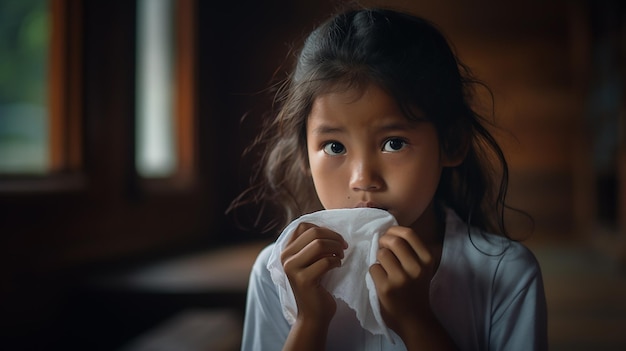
{"x":66,"y":99}
{"x":185,"y":105}
{"x":94,"y":205}
{"x":65,"y":88}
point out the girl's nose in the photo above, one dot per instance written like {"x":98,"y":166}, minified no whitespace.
{"x":365,"y":176}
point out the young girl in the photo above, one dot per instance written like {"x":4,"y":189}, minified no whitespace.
{"x":377,"y":114}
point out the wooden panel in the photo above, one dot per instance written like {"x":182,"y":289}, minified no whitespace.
{"x":64,"y":86}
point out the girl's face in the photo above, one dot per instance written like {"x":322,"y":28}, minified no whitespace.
{"x":363,"y":152}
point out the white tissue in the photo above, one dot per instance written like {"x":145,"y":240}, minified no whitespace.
{"x":352,"y":283}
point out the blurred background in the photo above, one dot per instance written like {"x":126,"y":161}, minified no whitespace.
{"x":121,"y":137}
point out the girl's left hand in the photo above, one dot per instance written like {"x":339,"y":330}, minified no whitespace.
{"x":402,"y":278}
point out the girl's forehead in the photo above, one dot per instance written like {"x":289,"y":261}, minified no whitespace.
{"x":371,"y":107}
{"x":362,"y":99}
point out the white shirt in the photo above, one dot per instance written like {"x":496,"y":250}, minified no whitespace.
{"x":487,"y":293}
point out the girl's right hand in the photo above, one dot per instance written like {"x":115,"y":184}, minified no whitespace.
{"x":309,"y":254}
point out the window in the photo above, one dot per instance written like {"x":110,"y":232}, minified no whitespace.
{"x":87,"y":202}
{"x":164,"y":79}
{"x":24,"y":112}
{"x":40,"y":88}
{"x":155,"y":149}
{"x":39,"y":127}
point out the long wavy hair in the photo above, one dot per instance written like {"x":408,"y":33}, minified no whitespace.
{"x":409,"y":58}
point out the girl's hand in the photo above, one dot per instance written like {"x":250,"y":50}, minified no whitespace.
{"x":310,"y":253}
{"x":402,"y":278}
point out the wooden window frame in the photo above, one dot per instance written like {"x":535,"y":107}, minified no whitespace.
{"x":185,"y":95}
{"x":64,"y":97}
{"x":66,"y":110}
{"x":65,"y":88}
{"x":184,"y":112}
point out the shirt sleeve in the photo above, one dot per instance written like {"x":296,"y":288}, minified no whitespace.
{"x":519,"y":318}
{"x":265,"y":327}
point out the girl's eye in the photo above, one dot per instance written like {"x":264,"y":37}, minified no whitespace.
{"x":394,"y":145}
{"x":334,"y":148}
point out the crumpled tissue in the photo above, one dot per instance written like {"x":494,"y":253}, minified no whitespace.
{"x":352,"y":282}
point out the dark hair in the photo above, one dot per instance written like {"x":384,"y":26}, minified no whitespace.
{"x":410,"y":59}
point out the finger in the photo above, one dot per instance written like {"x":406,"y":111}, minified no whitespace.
{"x":301,"y":228}
{"x":391,"y":265}
{"x":309,"y":265}
{"x":403,"y":252}
{"x":416,"y":244}
{"x":311,"y":275}
{"x":306,"y":232}
{"x":378,"y":273}
{"x":322,"y":266}
{"x":314,"y":250}
{"x":311,"y":245}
